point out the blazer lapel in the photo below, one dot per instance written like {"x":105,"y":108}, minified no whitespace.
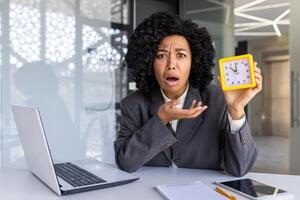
{"x":186,"y":128}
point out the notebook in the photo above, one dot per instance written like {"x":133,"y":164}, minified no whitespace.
{"x":191,"y":191}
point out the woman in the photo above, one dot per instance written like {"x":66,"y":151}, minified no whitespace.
{"x":176,"y":117}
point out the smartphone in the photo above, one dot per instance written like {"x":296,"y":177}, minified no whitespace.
{"x":255,"y":190}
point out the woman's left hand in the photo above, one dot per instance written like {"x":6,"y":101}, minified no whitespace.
{"x":238,"y":99}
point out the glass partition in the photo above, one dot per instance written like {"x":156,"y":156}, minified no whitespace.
{"x":64,"y":58}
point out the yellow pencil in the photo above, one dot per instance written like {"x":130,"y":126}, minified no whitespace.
{"x":222,"y":192}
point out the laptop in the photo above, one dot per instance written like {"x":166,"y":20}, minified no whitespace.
{"x":63,"y":178}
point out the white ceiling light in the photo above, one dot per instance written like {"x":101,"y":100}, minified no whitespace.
{"x":242,"y":29}
{"x":265,"y":7}
{"x":245,"y":6}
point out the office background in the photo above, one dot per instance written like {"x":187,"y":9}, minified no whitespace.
{"x":65,"y":57}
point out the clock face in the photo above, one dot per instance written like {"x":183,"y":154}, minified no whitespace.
{"x":237,"y":72}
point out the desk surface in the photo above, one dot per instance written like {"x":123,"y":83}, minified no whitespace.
{"x":21,"y":184}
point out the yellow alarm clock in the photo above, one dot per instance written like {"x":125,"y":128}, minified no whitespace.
{"x":237,"y":72}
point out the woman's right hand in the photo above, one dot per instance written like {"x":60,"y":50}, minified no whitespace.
{"x":168,"y":111}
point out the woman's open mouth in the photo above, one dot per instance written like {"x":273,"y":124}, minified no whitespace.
{"x":171,"y":81}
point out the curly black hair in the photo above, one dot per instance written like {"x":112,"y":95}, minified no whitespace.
{"x":144,"y":42}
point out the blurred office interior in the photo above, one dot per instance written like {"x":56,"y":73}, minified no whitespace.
{"x":64,"y":56}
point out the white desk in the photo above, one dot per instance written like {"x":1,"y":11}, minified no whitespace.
{"x":21,"y":184}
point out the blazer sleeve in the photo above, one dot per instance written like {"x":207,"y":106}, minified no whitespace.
{"x":238,"y":149}
{"x":138,"y":143}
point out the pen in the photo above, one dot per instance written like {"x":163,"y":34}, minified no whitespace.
{"x":222,"y":192}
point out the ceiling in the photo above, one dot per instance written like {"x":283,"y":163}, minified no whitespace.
{"x":261,"y":18}
{"x":252,"y":18}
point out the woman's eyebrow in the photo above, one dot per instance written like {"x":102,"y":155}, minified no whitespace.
{"x":163,"y":49}
{"x":176,"y":49}
{"x":181,"y":49}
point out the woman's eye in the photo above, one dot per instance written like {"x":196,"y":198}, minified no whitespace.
{"x":181,"y":55}
{"x":161,"y":56}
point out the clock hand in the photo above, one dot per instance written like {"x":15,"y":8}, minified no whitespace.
{"x":232,"y":69}
{"x":235,"y":70}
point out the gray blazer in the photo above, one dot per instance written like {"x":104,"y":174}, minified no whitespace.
{"x":204,"y":142}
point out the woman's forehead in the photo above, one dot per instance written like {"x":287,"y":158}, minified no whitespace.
{"x":176,"y":41}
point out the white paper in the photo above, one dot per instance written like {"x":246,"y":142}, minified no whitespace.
{"x":192,"y":191}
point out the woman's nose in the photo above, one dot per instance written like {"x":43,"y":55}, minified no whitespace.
{"x":171,"y":67}
{"x":171,"y":62}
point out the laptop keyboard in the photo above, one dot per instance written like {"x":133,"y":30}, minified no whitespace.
{"x":76,"y":176}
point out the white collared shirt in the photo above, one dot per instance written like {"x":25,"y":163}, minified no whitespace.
{"x":180,"y":105}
